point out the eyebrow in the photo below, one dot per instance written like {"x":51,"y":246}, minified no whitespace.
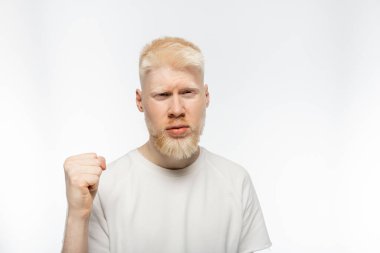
{"x":189,"y":89}
{"x":158,"y":91}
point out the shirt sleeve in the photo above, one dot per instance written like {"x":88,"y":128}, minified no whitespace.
{"x":254,"y":235}
{"x":98,"y":237}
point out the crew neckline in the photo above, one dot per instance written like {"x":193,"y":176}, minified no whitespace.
{"x":168,"y":172}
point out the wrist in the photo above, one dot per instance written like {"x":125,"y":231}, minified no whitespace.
{"x":78,"y":214}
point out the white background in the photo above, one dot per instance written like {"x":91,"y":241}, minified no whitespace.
{"x":294,"y":89}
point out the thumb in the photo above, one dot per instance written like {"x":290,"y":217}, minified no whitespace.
{"x":102,"y":162}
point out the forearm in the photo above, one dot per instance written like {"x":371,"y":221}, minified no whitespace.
{"x":76,"y":234}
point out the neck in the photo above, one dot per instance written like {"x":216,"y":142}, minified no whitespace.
{"x":150,"y":152}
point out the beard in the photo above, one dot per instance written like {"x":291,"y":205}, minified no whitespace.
{"x":176,"y":148}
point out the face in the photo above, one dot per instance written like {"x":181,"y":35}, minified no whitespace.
{"x":174,"y":103}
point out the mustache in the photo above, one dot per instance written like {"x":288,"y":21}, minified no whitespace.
{"x":178,"y":123}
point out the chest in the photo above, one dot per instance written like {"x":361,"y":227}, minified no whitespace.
{"x":198,"y":215}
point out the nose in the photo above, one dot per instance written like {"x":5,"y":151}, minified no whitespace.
{"x":176,"y":108}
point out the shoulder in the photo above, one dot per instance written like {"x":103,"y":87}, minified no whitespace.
{"x":230,"y":169}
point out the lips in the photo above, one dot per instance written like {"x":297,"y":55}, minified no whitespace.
{"x":177,"y":131}
{"x":177,"y":127}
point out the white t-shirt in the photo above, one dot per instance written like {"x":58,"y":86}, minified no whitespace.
{"x":208,"y":207}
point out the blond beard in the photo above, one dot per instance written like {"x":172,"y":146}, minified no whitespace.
{"x":176,"y":148}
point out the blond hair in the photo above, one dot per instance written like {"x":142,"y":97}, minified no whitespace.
{"x":174,"y":52}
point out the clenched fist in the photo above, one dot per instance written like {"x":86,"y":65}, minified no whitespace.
{"x":82,"y":173}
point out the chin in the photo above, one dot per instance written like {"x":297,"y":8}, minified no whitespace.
{"x":177,"y":148}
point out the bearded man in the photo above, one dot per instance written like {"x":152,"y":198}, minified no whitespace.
{"x":169,"y":195}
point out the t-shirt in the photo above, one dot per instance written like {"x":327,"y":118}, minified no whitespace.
{"x":209,"y":206}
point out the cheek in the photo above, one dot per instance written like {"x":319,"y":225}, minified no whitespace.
{"x":155,"y":112}
{"x":197,"y":111}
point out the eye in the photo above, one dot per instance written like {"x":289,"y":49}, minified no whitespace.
{"x":162,"y":95}
{"x":188,"y":93}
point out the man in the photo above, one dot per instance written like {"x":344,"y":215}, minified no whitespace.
{"x":170,"y":195}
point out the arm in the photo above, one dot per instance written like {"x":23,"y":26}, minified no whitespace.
{"x":254,"y":235}
{"x":76,"y":234}
{"x":82,"y":173}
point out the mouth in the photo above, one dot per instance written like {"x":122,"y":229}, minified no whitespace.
{"x":177,"y":127}
{"x":178,"y":130}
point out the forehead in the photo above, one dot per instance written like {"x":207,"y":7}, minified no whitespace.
{"x":168,"y":77}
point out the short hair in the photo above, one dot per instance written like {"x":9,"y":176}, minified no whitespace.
{"x":170,"y":51}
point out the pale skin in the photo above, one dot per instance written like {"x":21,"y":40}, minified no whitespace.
{"x":171,"y":95}
{"x":166,"y":95}
{"x":82,"y":173}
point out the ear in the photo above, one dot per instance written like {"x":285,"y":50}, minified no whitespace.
{"x":207,"y":95}
{"x":139,"y":100}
